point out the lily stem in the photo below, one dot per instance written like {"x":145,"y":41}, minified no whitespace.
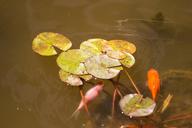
{"x":113,"y":102}
{"x":134,"y":85}
{"x":178,"y":117}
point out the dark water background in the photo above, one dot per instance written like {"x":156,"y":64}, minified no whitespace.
{"x":31,"y":94}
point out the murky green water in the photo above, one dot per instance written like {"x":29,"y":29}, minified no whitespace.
{"x":31,"y":94}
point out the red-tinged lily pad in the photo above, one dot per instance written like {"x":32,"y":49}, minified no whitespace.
{"x":45,"y":42}
{"x":135,"y":105}
{"x":69,"y":78}
{"x":101,"y":66}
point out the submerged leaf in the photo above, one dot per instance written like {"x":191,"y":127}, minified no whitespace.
{"x":128,"y":61}
{"x":120,"y":46}
{"x":71,"y":61}
{"x":93,"y":45}
{"x":135,"y":105}
{"x":43,"y":43}
{"x":69,"y":78}
{"x":101,"y":66}
{"x":166,"y":103}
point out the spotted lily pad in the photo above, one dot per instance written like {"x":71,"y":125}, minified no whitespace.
{"x":43,"y":43}
{"x":135,"y":105}
{"x":119,"y":46}
{"x":73,"y":80}
{"x":71,"y":61}
{"x":101,"y":66}
{"x":128,"y":61}
{"x":93,"y":45}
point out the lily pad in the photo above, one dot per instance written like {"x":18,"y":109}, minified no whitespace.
{"x":120,"y":46}
{"x":86,"y":77}
{"x":73,"y":80}
{"x":128,"y":61}
{"x":135,"y":105}
{"x":71,"y":61}
{"x":43,"y":43}
{"x":101,"y":66}
{"x":93,"y":45}
{"x":116,"y":54}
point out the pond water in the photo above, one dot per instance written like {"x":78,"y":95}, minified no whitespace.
{"x":31,"y":93}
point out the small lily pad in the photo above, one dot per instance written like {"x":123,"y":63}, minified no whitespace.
{"x":43,"y":43}
{"x":135,"y":105}
{"x":71,"y":61}
{"x":73,"y":80}
{"x":120,"y":46}
{"x":101,"y":66}
{"x":93,"y":45}
{"x":86,"y":77}
{"x":128,"y":61}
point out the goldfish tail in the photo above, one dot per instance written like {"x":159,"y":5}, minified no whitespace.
{"x":75,"y":114}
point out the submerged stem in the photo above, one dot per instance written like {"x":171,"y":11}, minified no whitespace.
{"x":113,"y":102}
{"x":134,"y":85}
{"x":178,"y":117}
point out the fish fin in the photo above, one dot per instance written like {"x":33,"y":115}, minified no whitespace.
{"x":75,"y":114}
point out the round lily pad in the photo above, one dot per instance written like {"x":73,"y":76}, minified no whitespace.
{"x":128,"y":61}
{"x":43,"y":43}
{"x":101,"y":66}
{"x":135,"y":105}
{"x":93,"y":45}
{"x":71,"y":61}
{"x":73,"y":80}
{"x":120,"y":46}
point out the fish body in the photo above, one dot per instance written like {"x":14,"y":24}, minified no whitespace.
{"x":90,"y":95}
{"x":153,"y":82}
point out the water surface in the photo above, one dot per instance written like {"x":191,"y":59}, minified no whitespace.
{"x":31,"y":93}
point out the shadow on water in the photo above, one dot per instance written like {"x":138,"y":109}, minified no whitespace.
{"x":30,"y":86}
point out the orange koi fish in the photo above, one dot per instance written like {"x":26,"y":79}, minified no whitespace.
{"x":90,"y":95}
{"x":153,"y":82}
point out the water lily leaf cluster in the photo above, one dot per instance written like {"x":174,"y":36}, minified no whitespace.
{"x":97,"y":57}
{"x":134,"y":105}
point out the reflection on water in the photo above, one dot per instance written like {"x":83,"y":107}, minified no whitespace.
{"x":32,"y":94}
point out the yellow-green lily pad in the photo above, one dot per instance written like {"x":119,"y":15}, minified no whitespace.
{"x":73,"y":80}
{"x":128,"y":61}
{"x":101,"y":66}
{"x":93,"y":45}
{"x":86,"y":77}
{"x":43,"y":43}
{"x":71,"y":61}
{"x":119,"y":46}
{"x":134,"y":105}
